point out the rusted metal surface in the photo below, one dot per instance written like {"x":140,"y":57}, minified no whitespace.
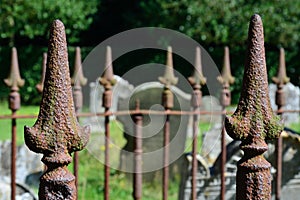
{"x":77,"y":81}
{"x":226,"y":79}
{"x":253,"y":121}
{"x":196,"y":81}
{"x":57,"y":133}
{"x":280,"y":80}
{"x":14,"y":81}
{"x":138,"y":150}
{"x":40,"y":85}
{"x":167,"y":101}
{"x":107,"y":80}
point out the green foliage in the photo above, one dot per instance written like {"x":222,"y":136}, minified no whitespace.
{"x":226,"y":22}
{"x":215,"y":23}
{"x":32,"y":18}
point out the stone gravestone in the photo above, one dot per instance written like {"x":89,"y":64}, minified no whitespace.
{"x":208,"y":183}
{"x":29,"y":169}
{"x":150,"y":97}
{"x":292,"y":97}
{"x":122,"y":89}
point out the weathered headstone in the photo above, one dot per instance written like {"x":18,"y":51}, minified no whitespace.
{"x":122,"y":89}
{"x":292,"y":97}
{"x":150,"y":95}
{"x":209,"y":175}
{"x":29,"y":168}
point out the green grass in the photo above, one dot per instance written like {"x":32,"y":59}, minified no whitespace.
{"x":5,"y":124}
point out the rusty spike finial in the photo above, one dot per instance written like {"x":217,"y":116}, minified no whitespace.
{"x":57,"y":133}
{"x":197,"y":78}
{"x":169,"y":79}
{"x":254,"y":120}
{"x":14,"y":80}
{"x":226,"y":78}
{"x":107,"y":78}
{"x":281,"y":78}
{"x":40,"y":85}
{"x":78,"y":78}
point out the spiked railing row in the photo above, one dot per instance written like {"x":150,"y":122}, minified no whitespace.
{"x":57,"y":134}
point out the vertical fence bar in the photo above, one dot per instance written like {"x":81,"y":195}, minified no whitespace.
{"x":254,"y":121}
{"x":137,"y":175}
{"x":40,"y":85}
{"x":196,"y":81}
{"x":167,"y":100}
{"x":77,"y":80}
{"x":14,"y":81}
{"x":226,"y":79}
{"x":57,"y":133}
{"x":280,"y":80}
{"x":107,"y":80}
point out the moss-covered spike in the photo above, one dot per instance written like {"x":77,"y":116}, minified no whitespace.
{"x":254,"y":121}
{"x":254,"y":114}
{"x":226,"y":78}
{"x":197,"y":78}
{"x":57,"y":106}
{"x":281,"y":78}
{"x":78,"y":77}
{"x":14,"y":80}
{"x":169,"y":79}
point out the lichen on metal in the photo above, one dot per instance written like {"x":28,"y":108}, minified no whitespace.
{"x":40,"y":85}
{"x":254,"y":121}
{"x":57,"y":133}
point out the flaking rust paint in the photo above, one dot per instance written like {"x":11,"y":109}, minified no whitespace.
{"x":253,"y":122}
{"x":57,"y":133}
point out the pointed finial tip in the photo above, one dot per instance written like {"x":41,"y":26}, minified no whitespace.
{"x":256,"y":18}
{"x":57,"y":23}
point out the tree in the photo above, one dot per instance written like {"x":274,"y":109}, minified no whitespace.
{"x":32,"y":18}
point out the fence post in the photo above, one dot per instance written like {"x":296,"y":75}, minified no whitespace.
{"x":107,"y":80}
{"x":57,"y":133}
{"x":196,"y":81}
{"x":138,"y":150}
{"x":77,"y":81}
{"x":167,"y":100}
{"x":226,"y":79}
{"x":254,"y":120}
{"x":14,"y":81}
{"x":280,"y":81}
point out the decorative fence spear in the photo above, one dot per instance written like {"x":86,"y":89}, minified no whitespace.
{"x":226,"y":79}
{"x":168,"y":102}
{"x":196,"y":81}
{"x":57,"y":133}
{"x":77,"y":81}
{"x":108,"y":81}
{"x":14,"y":81}
{"x":254,"y":121}
{"x":280,"y":80}
{"x":40,"y":85}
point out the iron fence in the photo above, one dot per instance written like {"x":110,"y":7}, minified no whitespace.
{"x":253,"y":177}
